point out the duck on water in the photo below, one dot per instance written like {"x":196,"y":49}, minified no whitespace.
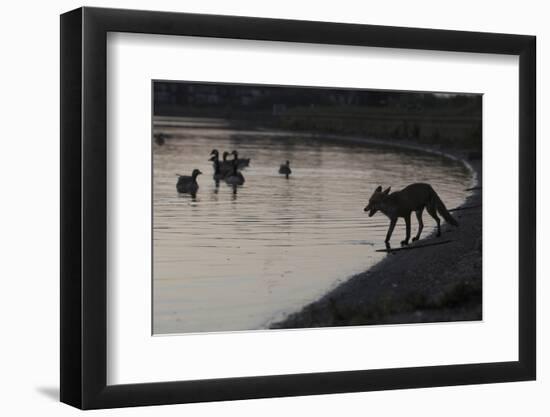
{"x":160,"y":138}
{"x":225,"y":167}
{"x":218,"y":173}
{"x":188,"y":184}
{"x":235,"y":177}
{"x":241,"y":162}
{"x":285,"y":169}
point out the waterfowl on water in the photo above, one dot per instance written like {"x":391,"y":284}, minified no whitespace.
{"x":285,"y":169}
{"x":188,"y":184}
{"x":225,"y":166}
{"x":241,"y":162}
{"x":218,"y":173}
{"x":235,"y":177}
{"x":225,"y":163}
{"x":160,"y":138}
{"x":221,"y":168}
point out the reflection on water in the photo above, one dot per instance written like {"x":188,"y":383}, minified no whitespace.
{"x":237,"y":258}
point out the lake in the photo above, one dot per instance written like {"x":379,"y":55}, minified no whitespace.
{"x":238,"y":259}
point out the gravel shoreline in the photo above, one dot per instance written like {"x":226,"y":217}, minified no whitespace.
{"x":432,"y":284}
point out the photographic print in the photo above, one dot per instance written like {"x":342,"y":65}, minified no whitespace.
{"x":285,"y":207}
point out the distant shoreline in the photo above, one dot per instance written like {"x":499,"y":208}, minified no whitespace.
{"x":462,"y":131}
{"x":433,"y":284}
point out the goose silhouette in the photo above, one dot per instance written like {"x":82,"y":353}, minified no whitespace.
{"x":225,"y":166}
{"x":235,"y":177}
{"x":188,"y":184}
{"x":218,"y":173}
{"x":160,"y":138}
{"x":285,"y":169}
{"x":241,"y":162}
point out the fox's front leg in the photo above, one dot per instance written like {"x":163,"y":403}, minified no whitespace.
{"x":390,"y":231}
{"x":408,"y":230}
{"x":420,"y":224}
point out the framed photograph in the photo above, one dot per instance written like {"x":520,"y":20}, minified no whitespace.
{"x":257,"y":208}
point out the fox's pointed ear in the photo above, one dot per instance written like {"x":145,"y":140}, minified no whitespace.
{"x":378,"y":189}
{"x":387,"y":190}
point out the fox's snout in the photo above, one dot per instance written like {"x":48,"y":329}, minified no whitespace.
{"x":370,"y":210}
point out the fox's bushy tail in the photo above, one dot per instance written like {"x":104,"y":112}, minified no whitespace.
{"x":444,"y":212}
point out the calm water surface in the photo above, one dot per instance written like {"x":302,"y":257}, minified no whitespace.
{"x":239,"y":259}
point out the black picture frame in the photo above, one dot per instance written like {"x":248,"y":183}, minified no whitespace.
{"x":84,"y":207}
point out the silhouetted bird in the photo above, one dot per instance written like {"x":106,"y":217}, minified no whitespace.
{"x":188,"y":184}
{"x":235,"y":177}
{"x":218,"y":174}
{"x":160,"y":138}
{"x":241,"y":162}
{"x":225,"y":163}
{"x":224,"y":167}
{"x":285,"y":169}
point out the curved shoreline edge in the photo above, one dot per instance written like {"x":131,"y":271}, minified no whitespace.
{"x":434,"y":284}
{"x":457,"y":155}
